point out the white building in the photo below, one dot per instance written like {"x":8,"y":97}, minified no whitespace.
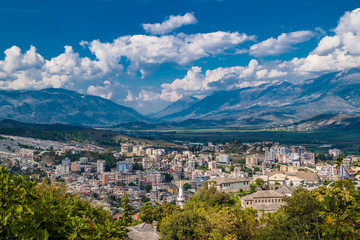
{"x":224,"y":159}
{"x":231,"y":184}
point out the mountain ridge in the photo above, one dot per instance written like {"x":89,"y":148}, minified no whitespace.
{"x":281,"y":103}
{"x":56,"y":105}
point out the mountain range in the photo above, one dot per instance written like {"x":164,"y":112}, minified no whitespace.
{"x":267,"y":105}
{"x":282,"y":103}
{"x":51,"y":106}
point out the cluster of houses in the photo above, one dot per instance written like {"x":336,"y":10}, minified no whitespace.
{"x":174,"y":176}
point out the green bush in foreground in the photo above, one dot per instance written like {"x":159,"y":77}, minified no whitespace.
{"x":31,"y":210}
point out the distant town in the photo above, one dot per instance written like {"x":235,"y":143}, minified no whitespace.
{"x":261,"y":174}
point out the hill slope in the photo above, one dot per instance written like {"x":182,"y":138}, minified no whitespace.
{"x":328,"y":122}
{"x":282,"y":103}
{"x":63,"y":106}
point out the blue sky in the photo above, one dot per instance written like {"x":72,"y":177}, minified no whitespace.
{"x":149,"y":53}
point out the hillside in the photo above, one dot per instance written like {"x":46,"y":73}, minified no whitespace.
{"x":61,"y":132}
{"x":279,"y":104}
{"x":52,"y":106}
{"x":328,"y":122}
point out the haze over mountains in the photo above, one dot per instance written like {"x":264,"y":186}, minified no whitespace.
{"x":266,"y":105}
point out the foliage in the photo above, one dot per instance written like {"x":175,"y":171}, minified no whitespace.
{"x":127,"y":210}
{"x":210,"y":215}
{"x":260,"y":182}
{"x":147,"y":188}
{"x":168,"y":177}
{"x":186,"y":186}
{"x":209,"y":197}
{"x":149,"y":213}
{"x":29,"y":210}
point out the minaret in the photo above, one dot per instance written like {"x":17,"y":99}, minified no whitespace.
{"x":180,"y":199}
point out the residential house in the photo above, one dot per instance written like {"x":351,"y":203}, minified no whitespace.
{"x":230,"y":184}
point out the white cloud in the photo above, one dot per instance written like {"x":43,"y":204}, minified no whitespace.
{"x":16,"y":61}
{"x":197,"y":83}
{"x":334,"y":52}
{"x":146,"y":95}
{"x":104,"y":91}
{"x":281,"y":44}
{"x":145,"y":51}
{"x":170,"y":24}
{"x":129,"y":97}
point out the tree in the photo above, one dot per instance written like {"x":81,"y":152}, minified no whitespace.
{"x":299,"y":219}
{"x":186,"y":186}
{"x":260,"y":182}
{"x":30,"y":210}
{"x":184,"y":226}
{"x":252,"y":188}
{"x":127,"y":209}
{"x":148,"y":213}
{"x":147,"y":188}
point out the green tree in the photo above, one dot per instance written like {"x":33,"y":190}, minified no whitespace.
{"x":147,"y":188}
{"x":186,"y":186}
{"x":127,"y":209}
{"x":299,"y":219}
{"x":29,"y":210}
{"x":260,"y":182}
{"x":184,"y":226}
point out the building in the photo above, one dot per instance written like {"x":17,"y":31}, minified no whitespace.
{"x":252,"y":160}
{"x":230,"y":184}
{"x":270,"y":156}
{"x":268,"y":200}
{"x":124,"y":167}
{"x":199,"y":179}
{"x":224,"y":159}
{"x":100,"y":166}
{"x":334,"y":152}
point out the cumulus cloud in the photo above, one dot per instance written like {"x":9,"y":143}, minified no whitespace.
{"x":105,"y":90}
{"x":129,"y":97}
{"x":144,"y":51}
{"x":170,"y":24}
{"x":282,"y":44}
{"x":198,"y":83}
{"x":333,"y":53}
{"x":16,"y":61}
{"x":30,"y":70}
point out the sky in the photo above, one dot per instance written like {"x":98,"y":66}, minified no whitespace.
{"x":147,"y":54}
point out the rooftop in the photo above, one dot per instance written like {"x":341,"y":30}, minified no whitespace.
{"x":221,"y":180}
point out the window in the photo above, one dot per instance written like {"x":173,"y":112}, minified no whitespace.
{"x":275,"y":200}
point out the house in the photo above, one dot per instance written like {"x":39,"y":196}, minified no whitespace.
{"x":230,"y":184}
{"x":287,"y":190}
{"x":309,"y":177}
{"x":276,"y":179}
{"x":267,"y":200}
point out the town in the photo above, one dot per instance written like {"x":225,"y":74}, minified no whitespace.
{"x":261,"y":174}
